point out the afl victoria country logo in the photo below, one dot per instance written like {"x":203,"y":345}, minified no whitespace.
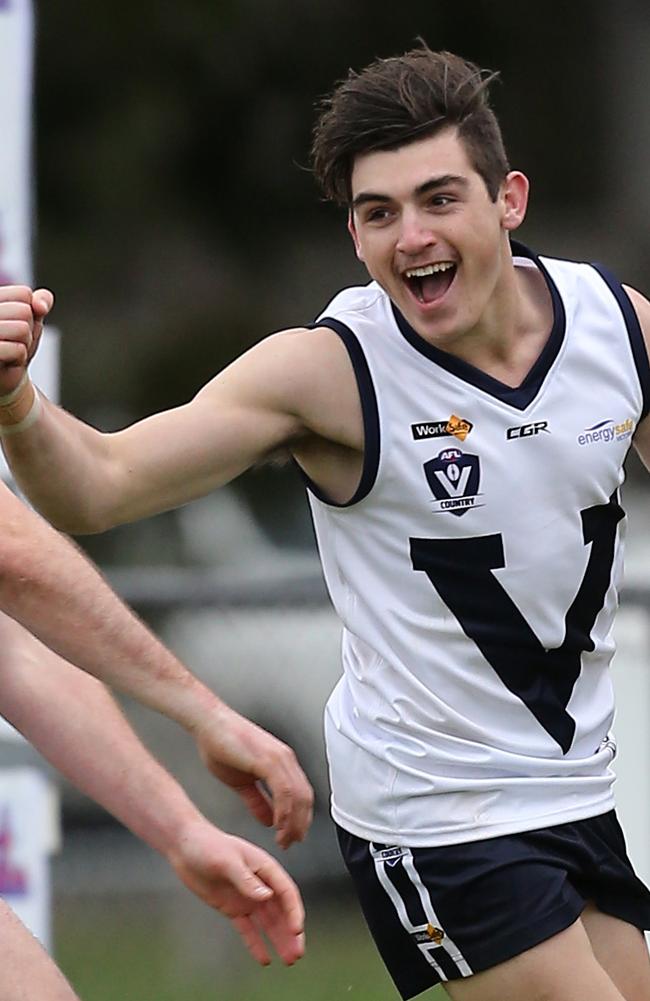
{"x":454,"y":477}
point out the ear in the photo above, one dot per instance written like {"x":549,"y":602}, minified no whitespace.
{"x":352,"y":230}
{"x":514,"y":197}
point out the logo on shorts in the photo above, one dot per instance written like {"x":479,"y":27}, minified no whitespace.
{"x":390,"y":856}
{"x":454,"y":478}
{"x":455,"y":426}
{"x":606,"y":431}
{"x":424,"y":936}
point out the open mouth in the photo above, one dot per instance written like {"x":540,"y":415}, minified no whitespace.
{"x":429,"y":283}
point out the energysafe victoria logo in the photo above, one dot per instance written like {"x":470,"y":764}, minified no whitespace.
{"x":608,"y":430}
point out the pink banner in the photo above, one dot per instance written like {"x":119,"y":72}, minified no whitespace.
{"x":16,"y":54}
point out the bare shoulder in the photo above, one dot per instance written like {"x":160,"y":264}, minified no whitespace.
{"x":301,"y":372}
{"x":306,"y":344}
{"x":642,"y":309}
{"x":325,"y":387}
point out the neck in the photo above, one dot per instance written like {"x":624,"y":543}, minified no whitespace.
{"x":513,"y":328}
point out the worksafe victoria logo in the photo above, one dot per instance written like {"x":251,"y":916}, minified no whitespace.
{"x":429,"y":934}
{"x":455,"y":427}
{"x":454,"y":477}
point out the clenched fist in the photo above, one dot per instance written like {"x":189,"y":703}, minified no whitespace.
{"x":22,"y":313}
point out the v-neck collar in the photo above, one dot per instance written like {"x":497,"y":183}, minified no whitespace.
{"x":521,"y":396}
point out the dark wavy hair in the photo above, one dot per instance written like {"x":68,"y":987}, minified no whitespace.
{"x":396,"y":101}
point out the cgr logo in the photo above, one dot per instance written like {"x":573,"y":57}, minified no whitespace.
{"x":527,"y":430}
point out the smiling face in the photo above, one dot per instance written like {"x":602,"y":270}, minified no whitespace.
{"x":428,"y":232}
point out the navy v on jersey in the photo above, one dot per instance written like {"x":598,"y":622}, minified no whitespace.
{"x":476,"y":570}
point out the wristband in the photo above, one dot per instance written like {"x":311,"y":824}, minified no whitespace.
{"x":20,"y":408}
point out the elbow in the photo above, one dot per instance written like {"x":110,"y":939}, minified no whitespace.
{"x":80,"y":524}
{"x":78,"y":520}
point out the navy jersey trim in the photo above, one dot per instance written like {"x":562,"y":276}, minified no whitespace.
{"x":635,"y":334}
{"x":369,"y":410}
{"x":519,"y":397}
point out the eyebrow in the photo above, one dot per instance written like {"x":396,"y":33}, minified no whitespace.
{"x":443,"y":181}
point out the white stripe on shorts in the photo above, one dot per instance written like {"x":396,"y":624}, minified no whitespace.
{"x":447,"y":943}
{"x":380,"y":858}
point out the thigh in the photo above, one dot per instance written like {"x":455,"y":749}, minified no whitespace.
{"x":621,"y":950}
{"x":563,"y":968}
{"x":26,"y":970}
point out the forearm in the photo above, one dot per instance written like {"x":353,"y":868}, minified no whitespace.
{"x":77,"y":726}
{"x":51,"y":589}
{"x":61,"y":464}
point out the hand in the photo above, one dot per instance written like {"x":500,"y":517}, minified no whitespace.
{"x":247,"y":885}
{"x":243,"y":755}
{"x":22,"y":313}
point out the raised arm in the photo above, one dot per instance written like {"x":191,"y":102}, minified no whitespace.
{"x":85,"y":481}
{"x":293,"y":391}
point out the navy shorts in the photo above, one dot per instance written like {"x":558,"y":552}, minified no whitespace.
{"x":438,"y":914}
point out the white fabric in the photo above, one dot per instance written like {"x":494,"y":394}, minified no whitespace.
{"x":426,"y":744}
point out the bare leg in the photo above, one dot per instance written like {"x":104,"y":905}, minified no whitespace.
{"x":621,"y":950}
{"x":564,"y":968}
{"x":26,"y":971}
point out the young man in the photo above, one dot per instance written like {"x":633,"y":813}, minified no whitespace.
{"x":461,"y":423}
{"x":48,"y":587}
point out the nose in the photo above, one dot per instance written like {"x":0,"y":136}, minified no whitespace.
{"x":415,"y":233}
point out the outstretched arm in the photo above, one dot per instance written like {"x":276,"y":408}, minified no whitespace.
{"x":76,"y":725}
{"x":55,"y":593}
{"x":277,"y":396}
{"x":85,"y":481}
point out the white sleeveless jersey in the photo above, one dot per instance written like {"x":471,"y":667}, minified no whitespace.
{"x":476,"y":571}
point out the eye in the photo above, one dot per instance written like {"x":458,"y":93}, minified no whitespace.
{"x":441,"y":201}
{"x":378,"y":214}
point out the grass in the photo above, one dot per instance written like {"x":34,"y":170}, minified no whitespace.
{"x":166,"y":947}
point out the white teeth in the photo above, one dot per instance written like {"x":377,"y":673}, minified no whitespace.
{"x":430,"y":269}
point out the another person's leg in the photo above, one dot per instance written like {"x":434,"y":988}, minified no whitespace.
{"x":26,"y":970}
{"x":621,"y":950}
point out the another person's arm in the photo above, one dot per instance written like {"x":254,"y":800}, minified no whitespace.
{"x":49,"y":587}
{"x":76,"y":725}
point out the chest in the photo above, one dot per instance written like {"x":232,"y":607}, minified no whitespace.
{"x":457,"y":458}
